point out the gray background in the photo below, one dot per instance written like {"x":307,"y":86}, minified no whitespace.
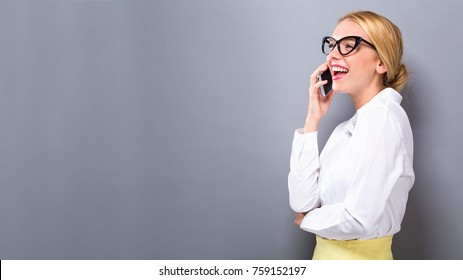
{"x":162,"y":129}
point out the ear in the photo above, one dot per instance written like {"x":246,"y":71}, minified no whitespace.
{"x":381,"y":67}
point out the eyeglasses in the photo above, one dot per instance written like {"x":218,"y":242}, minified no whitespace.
{"x":345,"y":45}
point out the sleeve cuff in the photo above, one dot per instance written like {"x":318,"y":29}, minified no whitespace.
{"x":305,"y":141}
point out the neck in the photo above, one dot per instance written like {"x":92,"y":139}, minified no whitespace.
{"x":361,"y":98}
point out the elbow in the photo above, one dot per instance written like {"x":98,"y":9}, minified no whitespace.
{"x":296,"y":207}
{"x":300,"y":206}
{"x":303,"y":195}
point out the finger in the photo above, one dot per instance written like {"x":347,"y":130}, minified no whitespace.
{"x":318,"y":72}
{"x":320,"y":69}
{"x":316,"y":87}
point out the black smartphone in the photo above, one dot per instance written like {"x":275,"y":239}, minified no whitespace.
{"x":327,"y":88}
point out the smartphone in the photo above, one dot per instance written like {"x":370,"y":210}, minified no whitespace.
{"x":327,"y":88}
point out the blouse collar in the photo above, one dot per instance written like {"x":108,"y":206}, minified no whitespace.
{"x":387,"y":94}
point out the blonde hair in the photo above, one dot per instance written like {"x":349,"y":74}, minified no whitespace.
{"x":387,"y":38}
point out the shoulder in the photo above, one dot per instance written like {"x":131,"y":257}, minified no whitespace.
{"x":386,"y":107}
{"x":384,"y":114}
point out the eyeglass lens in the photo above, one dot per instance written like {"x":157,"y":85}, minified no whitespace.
{"x":346,"y":45}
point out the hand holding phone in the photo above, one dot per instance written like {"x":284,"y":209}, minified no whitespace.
{"x":326,"y":88}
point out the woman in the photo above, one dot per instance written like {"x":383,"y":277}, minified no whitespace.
{"x":353,"y":195}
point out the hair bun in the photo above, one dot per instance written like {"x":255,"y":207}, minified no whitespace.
{"x":398,"y":81}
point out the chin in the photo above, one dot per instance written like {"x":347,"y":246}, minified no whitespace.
{"x":338,"y":89}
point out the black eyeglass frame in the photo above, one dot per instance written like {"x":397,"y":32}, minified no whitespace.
{"x":358,"y":40}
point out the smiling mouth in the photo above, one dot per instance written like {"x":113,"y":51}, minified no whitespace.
{"x":339,"y":72}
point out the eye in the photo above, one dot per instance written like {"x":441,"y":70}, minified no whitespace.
{"x":348,"y":46}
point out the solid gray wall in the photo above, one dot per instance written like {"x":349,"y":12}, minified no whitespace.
{"x":162,"y":129}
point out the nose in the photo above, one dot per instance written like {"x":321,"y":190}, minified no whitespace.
{"x":334,"y":54}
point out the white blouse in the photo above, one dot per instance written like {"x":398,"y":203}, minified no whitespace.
{"x":358,"y":187}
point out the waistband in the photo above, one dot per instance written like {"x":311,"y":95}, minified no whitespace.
{"x":371,"y":249}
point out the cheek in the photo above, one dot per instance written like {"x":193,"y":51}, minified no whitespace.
{"x":364,"y":70}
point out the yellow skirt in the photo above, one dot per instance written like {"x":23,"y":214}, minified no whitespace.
{"x":372,"y":249}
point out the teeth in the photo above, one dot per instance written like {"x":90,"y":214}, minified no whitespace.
{"x":339,"y":69}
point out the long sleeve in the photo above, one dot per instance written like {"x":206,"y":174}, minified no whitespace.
{"x":304,"y":170}
{"x":374,"y":168}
